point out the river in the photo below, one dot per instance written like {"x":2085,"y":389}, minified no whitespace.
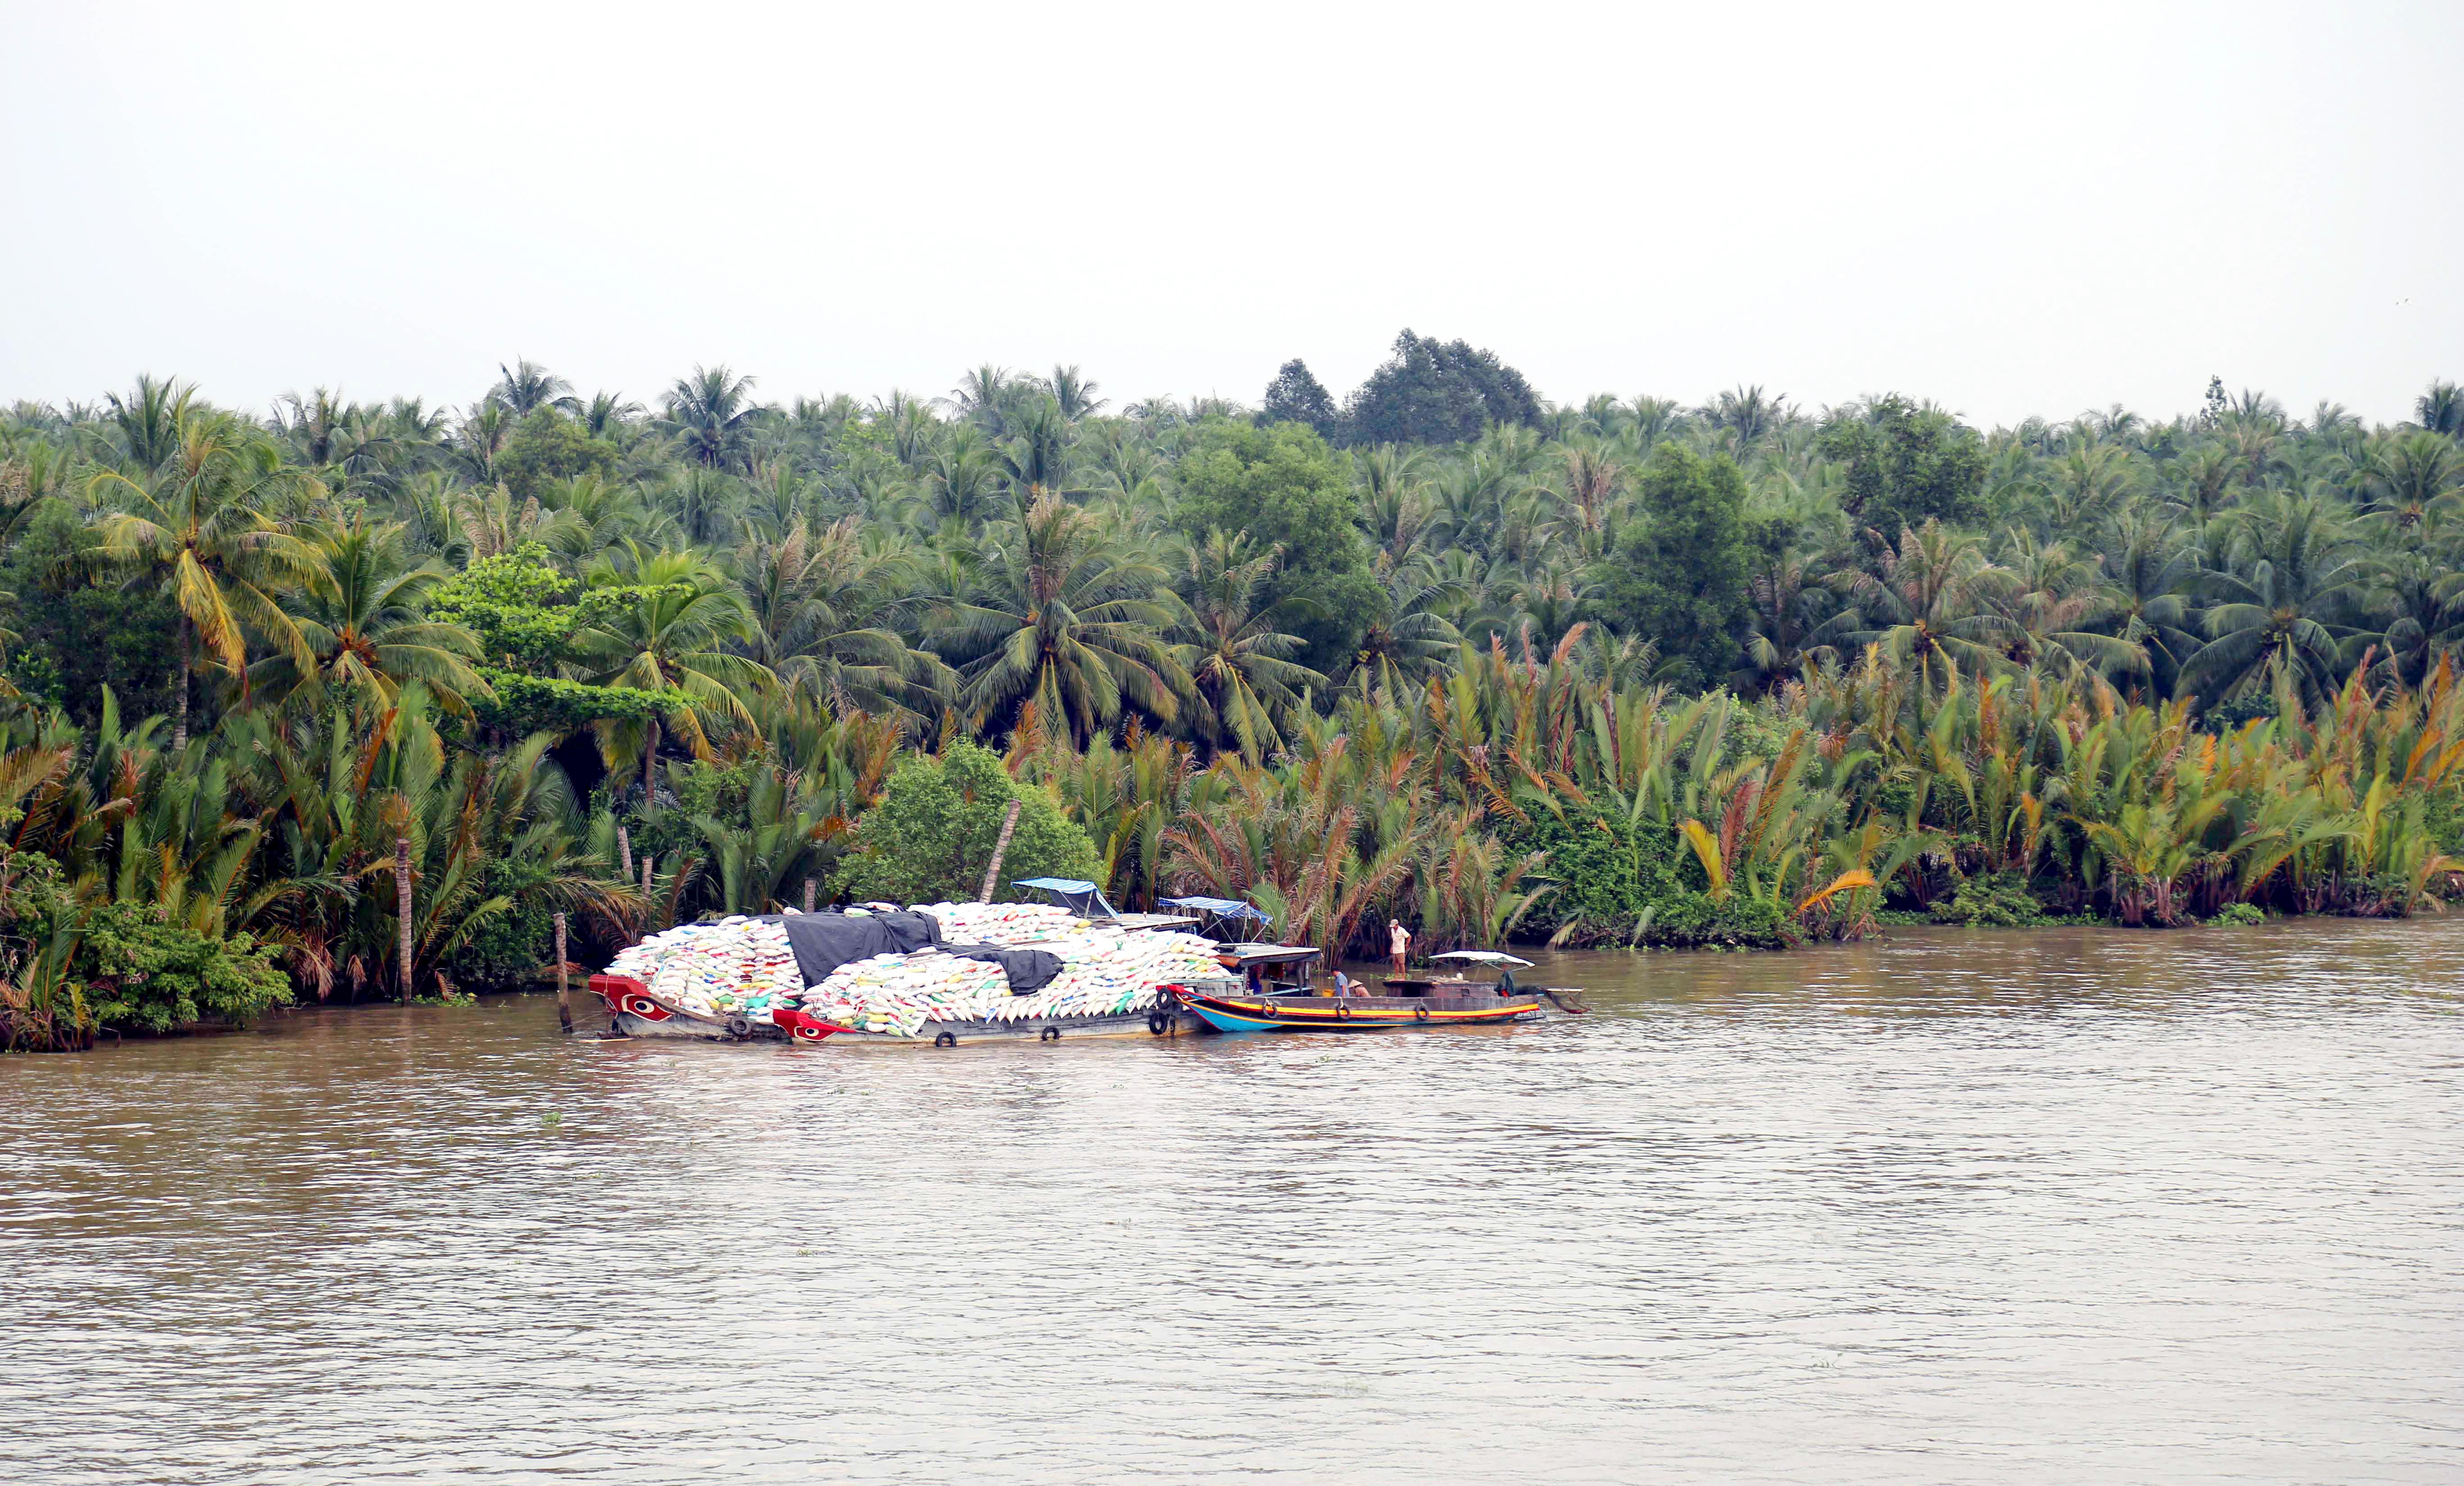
{"x":2058,"y":1206}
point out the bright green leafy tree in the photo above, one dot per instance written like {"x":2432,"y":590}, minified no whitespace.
{"x":933,"y":833}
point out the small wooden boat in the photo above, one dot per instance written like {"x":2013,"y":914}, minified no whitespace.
{"x":1162,"y":1021}
{"x":1310,"y":1011}
{"x":1566,"y":998}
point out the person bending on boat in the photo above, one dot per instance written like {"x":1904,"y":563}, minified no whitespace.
{"x":1398,"y":943}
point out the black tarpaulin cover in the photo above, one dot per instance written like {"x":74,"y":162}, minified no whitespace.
{"x":1027,"y":970}
{"x":823,"y":942}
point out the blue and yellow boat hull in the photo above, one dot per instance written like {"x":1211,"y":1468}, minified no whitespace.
{"x":1354,"y":1013}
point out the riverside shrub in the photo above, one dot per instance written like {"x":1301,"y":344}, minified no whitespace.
{"x":1609,"y":872}
{"x":931,"y":835}
{"x":1993,"y":900}
{"x":141,"y":973}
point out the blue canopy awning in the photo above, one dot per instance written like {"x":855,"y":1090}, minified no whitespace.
{"x":1085,"y":899}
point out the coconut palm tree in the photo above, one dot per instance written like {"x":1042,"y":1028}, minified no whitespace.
{"x":481,"y":440}
{"x":2151,"y":570}
{"x":821,"y":604}
{"x":1037,"y":460}
{"x":1592,"y":483}
{"x":2294,"y":583}
{"x":1933,"y":594}
{"x":2417,"y":612}
{"x":2412,"y":477}
{"x":980,"y":395}
{"x":2207,"y":481}
{"x":1240,"y":665}
{"x":671,"y":639}
{"x":1073,"y":392}
{"x":2062,"y":606}
{"x":1799,"y":620}
{"x":2441,"y":409}
{"x":609,"y":414}
{"x":1068,"y":617}
{"x":1410,"y":636}
{"x":359,"y":613}
{"x":590,"y":517}
{"x":1747,"y":412}
{"x":1548,"y":600}
{"x":150,"y":422}
{"x":711,"y":413}
{"x":316,"y":426}
{"x":2092,"y":481}
{"x":961,"y":478}
{"x":526,"y":386}
{"x":196,"y":531}
{"x":1393,"y":500}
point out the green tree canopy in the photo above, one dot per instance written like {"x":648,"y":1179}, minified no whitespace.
{"x":1286,"y":488}
{"x":1684,"y":573}
{"x":1907,"y":465}
{"x":547,"y":447}
{"x":1437,"y":392}
{"x":522,"y":610}
{"x":933,"y":833}
{"x":1295,"y":396}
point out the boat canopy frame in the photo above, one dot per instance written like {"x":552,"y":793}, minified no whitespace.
{"x":1083,"y":898}
{"x":1224,"y":918}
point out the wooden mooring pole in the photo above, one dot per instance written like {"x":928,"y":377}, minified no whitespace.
{"x":402,"y":906}
{"x":564,"y":1002}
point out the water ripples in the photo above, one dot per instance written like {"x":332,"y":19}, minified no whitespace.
{"x":2061,"y":1206}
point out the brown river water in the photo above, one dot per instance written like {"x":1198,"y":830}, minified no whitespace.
{"x":2059,"y":1206}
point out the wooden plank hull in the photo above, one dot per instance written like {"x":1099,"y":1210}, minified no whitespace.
{"x":1161,"y":1022}
{"x":1356,"y":1012}
{"x":635,"y":1011}
{"x":639,"y":1011}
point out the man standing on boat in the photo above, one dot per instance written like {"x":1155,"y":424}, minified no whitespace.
{"x":1398,"y":944}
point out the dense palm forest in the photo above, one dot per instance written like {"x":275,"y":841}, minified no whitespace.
{"x":1632,"y":672}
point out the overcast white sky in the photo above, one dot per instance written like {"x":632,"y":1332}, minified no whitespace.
{"x":2010,"y":210}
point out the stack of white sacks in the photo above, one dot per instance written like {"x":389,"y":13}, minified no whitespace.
{"x":735,"y":966}
{"x":1105,"y":973}
{"x":1008,"y":924}
{"x":742,"y":967}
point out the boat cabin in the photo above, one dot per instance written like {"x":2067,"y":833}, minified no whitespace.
{"x":1273,"y":968}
